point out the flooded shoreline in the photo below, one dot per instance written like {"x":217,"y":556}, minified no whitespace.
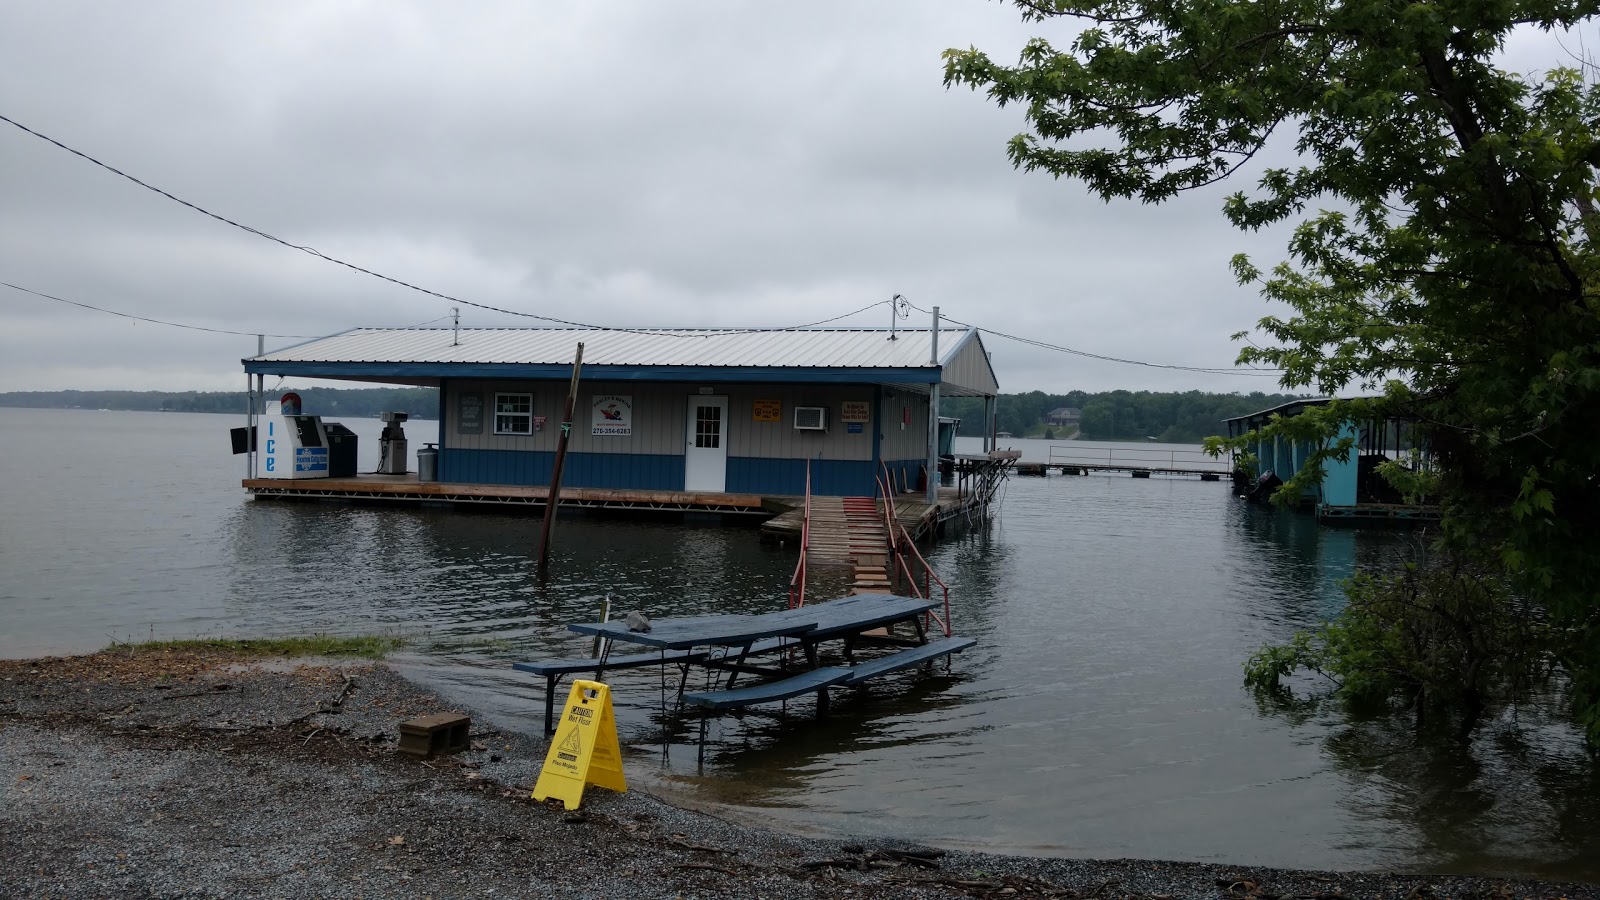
{"x":1102,"y":713}
{"x":132,"y":735}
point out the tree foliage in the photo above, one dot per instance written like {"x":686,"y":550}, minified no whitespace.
{"x":1443,"y":253}
{"x":1445,"y":635}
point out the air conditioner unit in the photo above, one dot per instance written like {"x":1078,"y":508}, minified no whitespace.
{"x":811,"y":418}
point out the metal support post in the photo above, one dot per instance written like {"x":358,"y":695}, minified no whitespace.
{"x":933,"y":415}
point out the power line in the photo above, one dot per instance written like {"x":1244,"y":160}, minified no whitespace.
{"x":570,"y":323}
{"x":17,"y":287}
{"x":1262,"y":373}
{"x":379,"y":275}
{"x":853,"y":312}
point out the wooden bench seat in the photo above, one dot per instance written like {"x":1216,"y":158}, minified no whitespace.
{"x":814,"y":680}
{"x":905,"y":659}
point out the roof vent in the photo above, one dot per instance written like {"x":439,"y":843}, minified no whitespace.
{"x":811,"y":418}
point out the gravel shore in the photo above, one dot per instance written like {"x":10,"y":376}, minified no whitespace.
{"x":166,"y":774}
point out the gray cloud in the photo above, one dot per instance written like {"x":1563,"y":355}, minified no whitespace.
{"x":626,"y":164}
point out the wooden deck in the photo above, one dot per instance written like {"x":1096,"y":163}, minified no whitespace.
{"x":406,"y":489}
{"x":920,"y":517}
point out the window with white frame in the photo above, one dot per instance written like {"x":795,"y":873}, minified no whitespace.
{"x":513,"y":414}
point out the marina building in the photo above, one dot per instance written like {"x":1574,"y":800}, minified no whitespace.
{"x":683,"y":412}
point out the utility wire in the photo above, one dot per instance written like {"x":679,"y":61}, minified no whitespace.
{"x":1259,"y":373}
{"x":570,"y":323}
{"x":17,"y":287}
{"x":379,"y":275}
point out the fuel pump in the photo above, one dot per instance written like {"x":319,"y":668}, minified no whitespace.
{"x":392,"y":445}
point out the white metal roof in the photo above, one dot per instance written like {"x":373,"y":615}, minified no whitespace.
{"x":800,"y":348}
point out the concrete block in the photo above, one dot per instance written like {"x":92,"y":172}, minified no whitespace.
{"x":435,"y":734}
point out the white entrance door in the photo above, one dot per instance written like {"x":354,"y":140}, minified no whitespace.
{"x":705,"y":460}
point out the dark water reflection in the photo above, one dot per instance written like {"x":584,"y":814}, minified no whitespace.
{"x":1100,"y":714}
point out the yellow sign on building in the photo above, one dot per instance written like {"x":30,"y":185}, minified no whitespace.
{"x":584,"y":750}
{"x":766,"y":410}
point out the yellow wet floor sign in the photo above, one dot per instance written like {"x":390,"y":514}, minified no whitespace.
{"x":584,"y":750}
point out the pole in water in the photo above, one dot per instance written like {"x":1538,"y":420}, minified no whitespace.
{"x":605,"y":616}
{"x":554,"y":498}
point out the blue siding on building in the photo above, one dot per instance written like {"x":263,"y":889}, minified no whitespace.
{"x":599,"y":470}
{"x":1339,"y":479}
{"x":746,"y":475}
{"x":831,"y":477}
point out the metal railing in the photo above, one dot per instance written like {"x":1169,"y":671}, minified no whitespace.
{"x":797,"y":583}
{"x":900,"y":541}
{"x":1136,"y":458}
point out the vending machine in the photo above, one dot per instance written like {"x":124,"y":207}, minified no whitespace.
{"x":291,"y":445}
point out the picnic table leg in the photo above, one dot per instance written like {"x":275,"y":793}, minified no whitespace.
{"x":549,"y":703}
{"x":738,"y":661}
{"x":683,"y":682}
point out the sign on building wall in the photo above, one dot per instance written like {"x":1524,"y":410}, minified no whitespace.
{"x":469,"y":413}
{"x":855,"y":411}
{"x":613,"y":414}
{"x":766,"y":410}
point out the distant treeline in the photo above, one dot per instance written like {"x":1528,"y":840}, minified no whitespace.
{"x":1174,"y":418}
{"x":422,"y":403}
{"x":1113,"y":416}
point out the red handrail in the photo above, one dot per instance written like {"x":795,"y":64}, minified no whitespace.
{"x":900,"y":539}
{"x":797,"y":584}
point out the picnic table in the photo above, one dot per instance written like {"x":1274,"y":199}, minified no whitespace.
{"x":728,"y":644}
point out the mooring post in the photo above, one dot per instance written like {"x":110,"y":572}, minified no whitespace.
{"x":554,"y":498}
{"x":605,"y":616}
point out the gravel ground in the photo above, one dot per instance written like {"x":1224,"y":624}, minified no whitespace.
{"x":184,"y":774}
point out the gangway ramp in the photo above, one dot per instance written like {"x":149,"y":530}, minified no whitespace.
{"x":849,"y":531}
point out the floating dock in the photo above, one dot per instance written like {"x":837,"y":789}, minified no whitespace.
{"x":1138,"y":462}
{"x":407,"y":489}
{"x":920,"y":517}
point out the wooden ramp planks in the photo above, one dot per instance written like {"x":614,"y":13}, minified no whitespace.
{"x":849,"y":531}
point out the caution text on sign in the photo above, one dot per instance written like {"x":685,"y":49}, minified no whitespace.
{"x":584,"y":750}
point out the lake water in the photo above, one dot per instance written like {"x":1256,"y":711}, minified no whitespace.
{"x":1101,"y":714}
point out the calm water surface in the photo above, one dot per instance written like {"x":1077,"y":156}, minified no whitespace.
{"x":1101,"y":713}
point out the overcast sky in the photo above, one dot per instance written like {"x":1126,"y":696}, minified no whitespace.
{"x":622,"y":164}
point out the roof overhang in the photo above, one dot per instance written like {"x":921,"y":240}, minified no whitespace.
{"x":431,"y":372}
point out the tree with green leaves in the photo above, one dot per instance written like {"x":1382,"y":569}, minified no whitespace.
{"x":1443,"y":256}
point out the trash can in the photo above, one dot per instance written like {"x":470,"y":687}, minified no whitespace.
{"x":428,"y":463}
{"x":341,"y":450}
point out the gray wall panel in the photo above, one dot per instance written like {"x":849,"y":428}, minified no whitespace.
{"x":910,"y":442}
{"x":970,"y":369}
{"x":660,"y":413}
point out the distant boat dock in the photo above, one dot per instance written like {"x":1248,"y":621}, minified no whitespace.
{"x":1138,"y":462}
